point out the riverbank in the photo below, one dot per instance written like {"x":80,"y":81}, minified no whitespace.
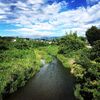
{"x":75,"y":69}
{"x":69,"y":62}
{"x":52,"y":82}
{"x":86,"y":73}
{"x":25,"y":66}
{"x":17,"y":69}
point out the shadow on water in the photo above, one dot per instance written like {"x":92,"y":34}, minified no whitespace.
{"x":53,"y":82}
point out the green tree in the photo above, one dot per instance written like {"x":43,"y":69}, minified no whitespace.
{"x":4,"y":45}
{"x":95,"y":51}
{"x":70,"y":42}
{"x":93,"y":34}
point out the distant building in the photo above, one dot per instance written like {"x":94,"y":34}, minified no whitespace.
{"x":14,"y":40}
{"x":88,"y":46}
{"x":50,"y":42}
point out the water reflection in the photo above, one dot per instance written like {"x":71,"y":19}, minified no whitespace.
{"x":53,"y":82}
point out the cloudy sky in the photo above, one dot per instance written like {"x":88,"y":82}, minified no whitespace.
{"x":36,"y":18}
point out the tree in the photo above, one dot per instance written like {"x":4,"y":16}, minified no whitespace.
{"x":95,"y":51}
{"x":93,"y":34}
{"x":4,"y":45}
{"x":70,"y":42}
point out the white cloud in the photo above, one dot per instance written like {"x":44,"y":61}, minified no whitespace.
{"x":34,"y":1}
{"x":2,"y":17}
{"x":3,"y":8}
{"x":29,"y":32}
{"x":79,"y":19}
{"x":52,"y":9}
{"x":39,"y":20}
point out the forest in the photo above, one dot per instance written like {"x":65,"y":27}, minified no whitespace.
{"x":20,"y":60}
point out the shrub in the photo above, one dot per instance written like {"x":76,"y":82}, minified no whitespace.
{"x":95,"y":51}
{"x":93,"y":34}
{"x":4,"y":45}
{"x":71,"y":43}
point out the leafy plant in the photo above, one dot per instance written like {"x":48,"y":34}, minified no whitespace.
{"x":93,"y":34}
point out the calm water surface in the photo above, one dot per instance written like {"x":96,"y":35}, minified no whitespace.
{"x":53,"y":82}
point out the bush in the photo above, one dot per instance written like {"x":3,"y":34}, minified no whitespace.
{"x":21,"y":44}
{"x":93,"y":34}
{"x":4,"y":45}
{"x":95,"y":51}
{"x":83,"y":60}
{"x":71,"y":43}
{"x":77,"y":92}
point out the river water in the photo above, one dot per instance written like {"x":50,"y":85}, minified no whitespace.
{"x":53,"y":82}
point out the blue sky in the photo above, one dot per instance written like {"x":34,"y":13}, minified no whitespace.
{"x":37,"y":18}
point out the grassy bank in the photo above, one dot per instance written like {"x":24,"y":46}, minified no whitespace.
{"x":69,"y":61}
{"x":16,"y":68}
{"x":21,"y":60}
{"x":84,"y":64}
{"x":86,"y":73}
{"x":46,"y":52}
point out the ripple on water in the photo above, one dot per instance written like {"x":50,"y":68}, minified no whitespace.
{"x":53,"y":82}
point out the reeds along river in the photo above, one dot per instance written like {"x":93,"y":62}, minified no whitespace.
{"x":53,"y":82}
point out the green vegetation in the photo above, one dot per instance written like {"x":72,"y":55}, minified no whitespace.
{"x":47,"y":52}
{"x":95,"y":51}
{"x":93,"y":34}
{"x":70,"y":43}
{"x":84,"y":64}
{"x":20,"y":59}
{"x":17,"y":64}
{"x":69,"y":52}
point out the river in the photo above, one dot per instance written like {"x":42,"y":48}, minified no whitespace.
{"x":52,"y":82}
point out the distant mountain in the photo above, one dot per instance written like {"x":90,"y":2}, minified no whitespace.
{"x":47,"y":38}
{"x":38,"y":38}
{"x":6,"y":38}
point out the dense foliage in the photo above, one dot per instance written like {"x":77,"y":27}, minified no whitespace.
{"x":3,"y":45}
{"x":70,"y":43}
{"x":93,"y":34}
{"x":14,"y":72}
{"x":88,"y":86}
{"x":95,"y":51}
{"x":84,"y":63}
{"x":20,"y":59}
